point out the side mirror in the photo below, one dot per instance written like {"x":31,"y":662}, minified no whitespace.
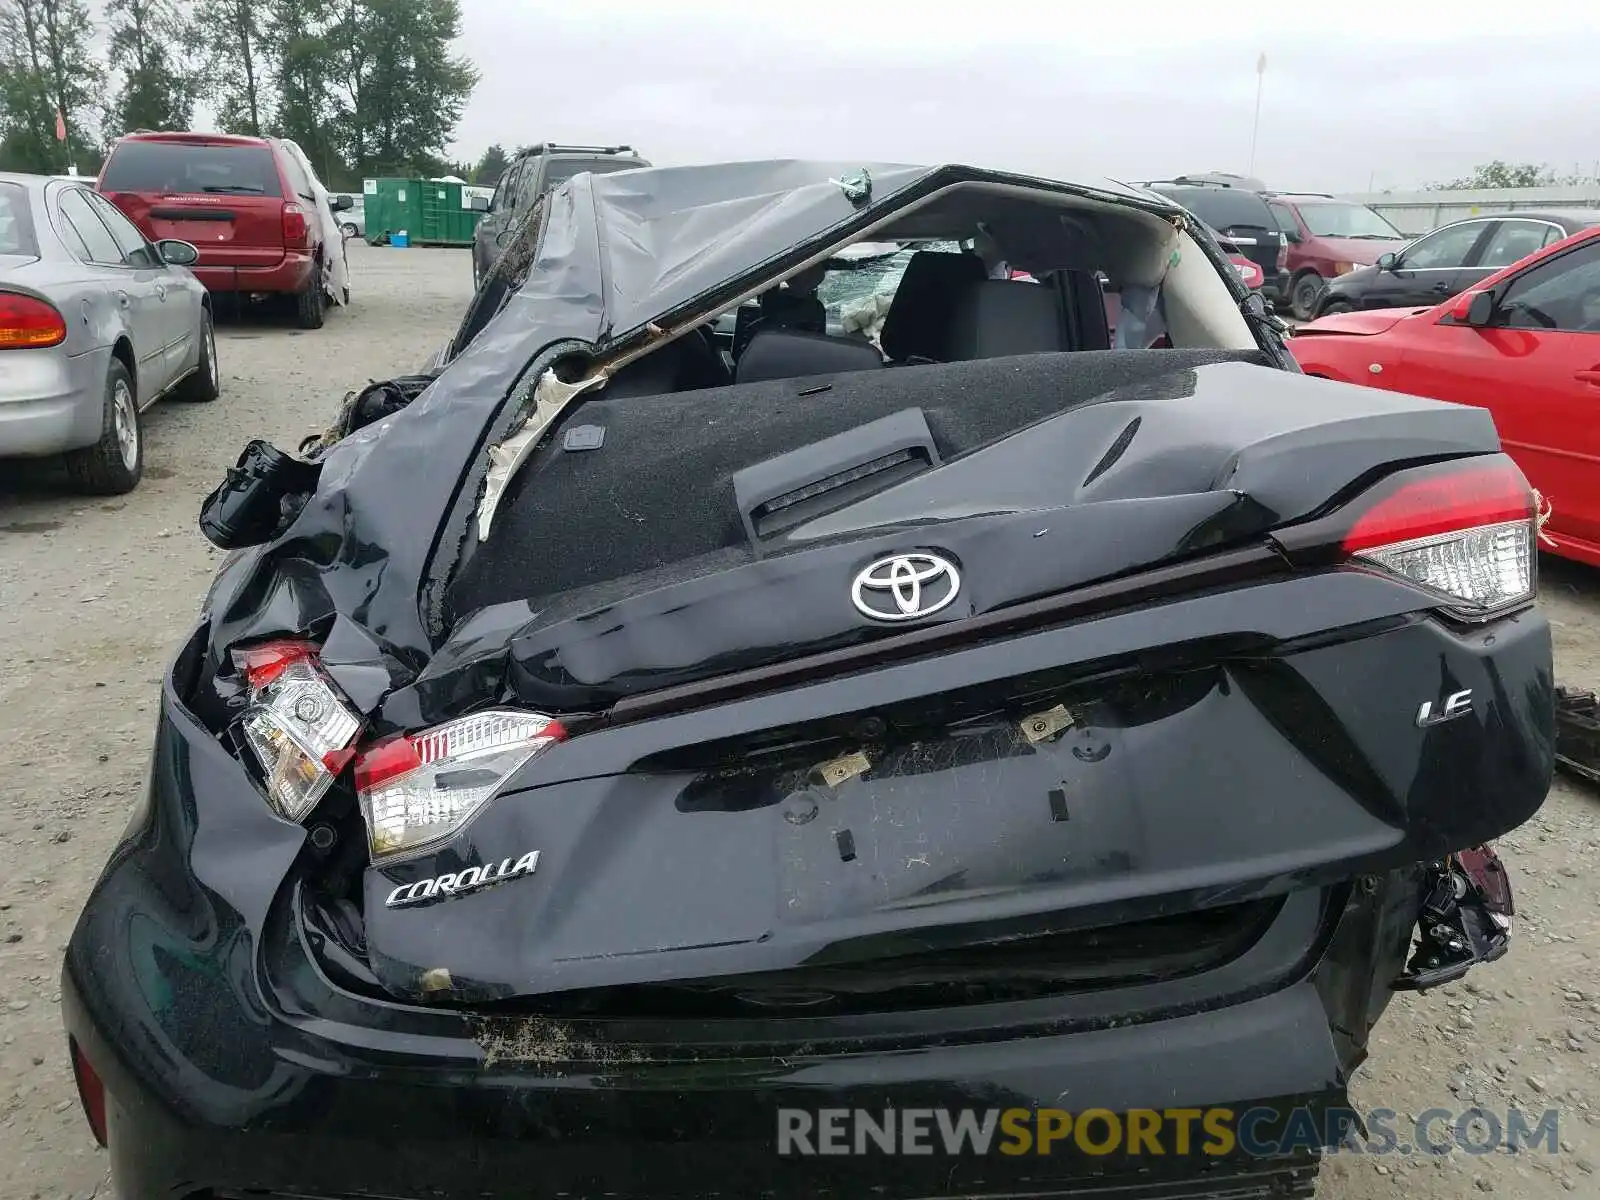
{"x":342,"y":203}
{"x":176,"y":253}
{"x":1473,"y":308}
{"x":1387,"y":261}
{"x":478,"y":203}
{"x":1291,"y":235}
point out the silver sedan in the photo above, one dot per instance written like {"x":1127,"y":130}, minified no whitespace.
{"x":96,"y":325}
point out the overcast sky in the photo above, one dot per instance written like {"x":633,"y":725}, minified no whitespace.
{"x":1355,"y":92}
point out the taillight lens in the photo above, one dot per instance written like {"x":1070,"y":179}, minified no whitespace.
{"x":297,"y":725}
{"x":1283,"y":253}
{"x":27,"y":323}
{"x":91,"y":1091}
{"x":294,"y":225}
{"x":1468,"y":532}
{"x":419,"y":789}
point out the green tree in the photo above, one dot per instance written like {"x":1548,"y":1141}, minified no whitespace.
{"x":27,"y":122}
{"x":491,"y":166}
{"x":309,"y":111}
{"x":400,"y":82}
{"x":1498,"y":174}
{"x":158,"y":86}
{"x":73,"y":76}
{"x":232,"y":39}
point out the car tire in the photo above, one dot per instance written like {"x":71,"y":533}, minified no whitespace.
{"x":1335,"y":306}
{"x":205,"y":383}
{"x":1304,"y":293}
{"x":114,"y":465}
{"x":350,"y":230}
{"x":310,"y":305}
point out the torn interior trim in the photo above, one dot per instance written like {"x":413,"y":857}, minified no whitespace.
{"x":551,"y":395}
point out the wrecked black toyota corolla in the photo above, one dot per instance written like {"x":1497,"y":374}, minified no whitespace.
{"x":645,"y":727}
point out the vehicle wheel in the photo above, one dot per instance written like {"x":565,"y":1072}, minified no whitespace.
{"x":310,"y":305}
{"x":1303,"y":295}
{"x":114,"y":464}
{"x":350,"y":230}
{"x":205,"y":385}
{"x":1335,"y":306}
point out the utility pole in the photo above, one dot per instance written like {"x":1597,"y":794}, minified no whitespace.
{"x":1255,"y":128}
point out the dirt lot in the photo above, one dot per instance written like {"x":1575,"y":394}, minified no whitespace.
{"x":93,"y":594}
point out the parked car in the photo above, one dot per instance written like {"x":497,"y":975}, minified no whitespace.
{"x":531,"y":174}
{"x":1449,"y":260}
{"x":981,"y":711}
{"x":351,"y":215}
{"x":248,"y":204}
{"x":96,"y":325}
{"x":1524,"y":344}
{"x":1327,"y":237}
{"x":1236,"y":211}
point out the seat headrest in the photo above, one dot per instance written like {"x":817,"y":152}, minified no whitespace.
{"x":917,"y":323}
{"x":795,"y":354}
{"x":997,"y":318}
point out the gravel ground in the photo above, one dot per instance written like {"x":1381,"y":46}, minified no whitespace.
{"x":93,"y":595}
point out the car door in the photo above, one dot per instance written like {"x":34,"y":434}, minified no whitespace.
{"x":132,"y":287}
{"x":1433,"y":268}
{"x":1536,"y":368}
{"x":174,"y":308}
{"x":486,"y":239}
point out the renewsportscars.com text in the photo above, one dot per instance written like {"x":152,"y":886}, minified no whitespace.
{"x":1175,"y":1132}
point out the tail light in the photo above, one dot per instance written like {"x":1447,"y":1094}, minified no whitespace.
{"x":295,"y":227}
{"x":297,"y":725}
{"x":419,"y":789}
{"x":1467,"y":531}
{"x":91,"y":1091}
{"x":1283,"y":253}
{"x":27,"y":323}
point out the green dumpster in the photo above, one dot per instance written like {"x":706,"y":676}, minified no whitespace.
{"x":446,"y":218}
{"x":433,"y":212}
{"x":392,"y":204}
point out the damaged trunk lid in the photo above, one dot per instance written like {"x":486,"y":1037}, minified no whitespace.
{"x":769,"y":786}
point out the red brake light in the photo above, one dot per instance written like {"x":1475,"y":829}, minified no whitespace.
{"x":294,"y":225}
{"x":417,"y":790}
{"x":1283,"y":255}
{"x":91,"y":1093}
{"x":266,"y":661}
{"x":29,"y":324}
{"x":1446,"y":501}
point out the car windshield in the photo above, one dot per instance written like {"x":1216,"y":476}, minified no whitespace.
{"x":175,"y":168}
{"x":860,"y":284}
{"x":16,"y":227}
{"x":1347,"y":221}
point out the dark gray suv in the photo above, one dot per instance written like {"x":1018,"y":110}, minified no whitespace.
{"x":532,"y":173}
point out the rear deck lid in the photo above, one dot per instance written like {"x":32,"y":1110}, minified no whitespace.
{"x":223,"y":196}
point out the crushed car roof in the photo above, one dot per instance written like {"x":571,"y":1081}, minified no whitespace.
{"x":372,"y":549}
{"x":662,"y":236}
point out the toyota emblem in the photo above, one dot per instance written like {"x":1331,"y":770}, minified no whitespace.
{"x":904,"y":587}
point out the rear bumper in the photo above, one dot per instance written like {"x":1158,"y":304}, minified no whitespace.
{"x":332,"y":1096}
{"x":50,"y":403}
{"x":290,"y":275}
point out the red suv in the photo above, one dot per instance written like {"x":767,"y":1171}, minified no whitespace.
{"x":244,"y":202}
{"x":1327,"y":237}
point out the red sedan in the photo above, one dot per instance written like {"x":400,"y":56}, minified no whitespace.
{"x":1524,"y":344}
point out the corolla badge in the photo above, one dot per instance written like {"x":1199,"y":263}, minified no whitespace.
{"x":904,"y":587}
{"x":458,"y":883}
